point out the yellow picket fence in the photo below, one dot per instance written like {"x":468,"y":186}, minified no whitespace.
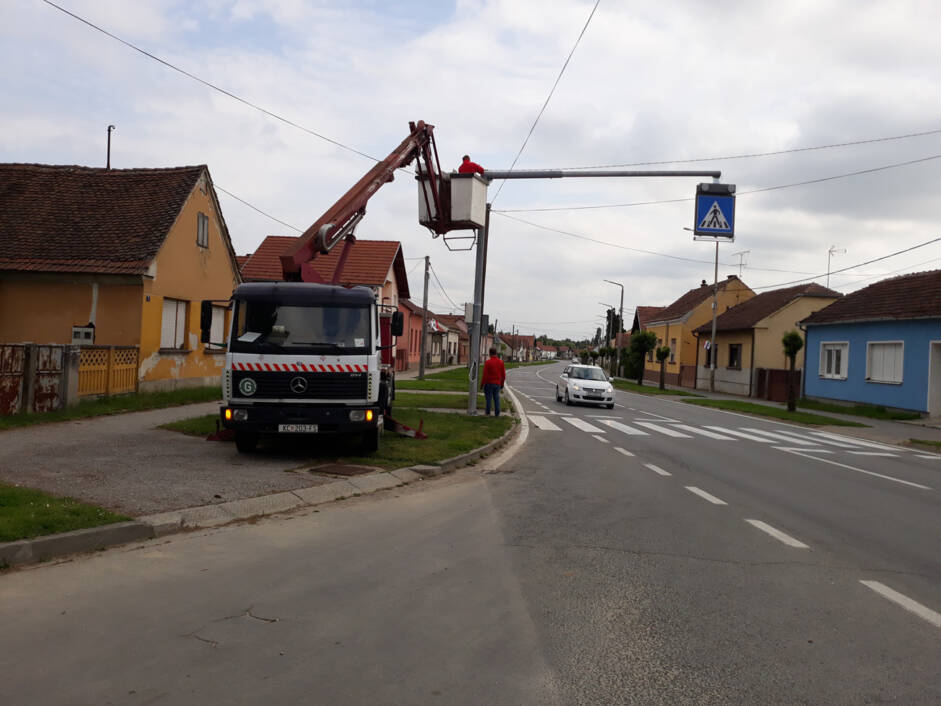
{"x":107,"y":370}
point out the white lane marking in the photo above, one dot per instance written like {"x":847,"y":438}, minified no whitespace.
{"x":624,"y":428}
{"x":663,"y":430}
{"x":623,"y":451}
{"x":704,"y":432}
{"x":603,"y":416}
{"x":657,"y":469}
{"x":660,"y":417}
{"x":907,"y":603}
{"x":543,"y":423}
{"x":854,"y":440}
{"x":873,"y":453}
{"x":818,"y":440}
{"x":705,"y":496}
{"x":777,"y":534}
{"x":931,"y":456}
{"x":583,"y":425}
{"x":859,"y":470}
{"x":644,"y":419}
{"x":781,"y":437}
{"x":742,"y":434}
{"x":802,"y":448}
{"x":601,"y":439}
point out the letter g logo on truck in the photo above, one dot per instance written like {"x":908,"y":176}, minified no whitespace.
{"x":248,"y":387}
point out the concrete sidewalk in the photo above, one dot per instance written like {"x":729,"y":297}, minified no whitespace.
{"x":886,"y":431}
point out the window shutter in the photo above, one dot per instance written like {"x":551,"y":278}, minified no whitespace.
{"x":180,"y":337}
{"x":168,"y":324}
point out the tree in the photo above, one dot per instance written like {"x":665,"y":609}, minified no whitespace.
{"x":663,"y":352}
{"x":641,"y":345}
{"x":792,"y":343}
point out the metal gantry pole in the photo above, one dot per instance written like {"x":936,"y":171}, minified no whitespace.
{"x":715,"y":310}
{"x":473,"y":371}
{"x":424,"y":323}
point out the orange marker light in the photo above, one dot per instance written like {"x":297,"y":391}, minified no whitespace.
{"x":368,"y":415}
{"x":228,"y":415}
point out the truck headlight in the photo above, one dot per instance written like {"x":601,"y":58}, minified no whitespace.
{"x":235,"y":415}
{"x":357,"y":415}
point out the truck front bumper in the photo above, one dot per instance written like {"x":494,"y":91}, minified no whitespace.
{"x":283,"y":419}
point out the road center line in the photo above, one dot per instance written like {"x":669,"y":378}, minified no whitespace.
{"x":705,"y":496}
{"x":600,"y":438}
{"x":777,"y":534}
{"x":907,"y":603}
{"x":858,"y":470}
{"x":657,"y":469}
{"x":623,"y":451}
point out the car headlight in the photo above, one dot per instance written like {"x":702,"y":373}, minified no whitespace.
{"x":576,"y":387}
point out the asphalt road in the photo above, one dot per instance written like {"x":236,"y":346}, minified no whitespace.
{"x":654,"y":553}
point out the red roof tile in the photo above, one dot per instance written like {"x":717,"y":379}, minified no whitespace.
{"x":644,"y":314}
{"x":914,"y":296}
{"x":691,"y":300}
{"x":368,"y":263}
{"x":84,"y":219}
{"x":748,"y":313}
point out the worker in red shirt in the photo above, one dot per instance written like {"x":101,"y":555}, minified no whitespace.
{"x":469,"y":167}
{"x":492,"y":381}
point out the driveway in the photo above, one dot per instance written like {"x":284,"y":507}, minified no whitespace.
{"x":126,"y":463}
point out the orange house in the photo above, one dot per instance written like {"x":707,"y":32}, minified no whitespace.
{"x":118,"y":257}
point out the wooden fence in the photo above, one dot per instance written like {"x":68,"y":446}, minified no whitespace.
{"x":107,"y":370}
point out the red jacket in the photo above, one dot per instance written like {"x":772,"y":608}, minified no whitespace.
{"x":470,"y":167}
{"x":494,"y":372}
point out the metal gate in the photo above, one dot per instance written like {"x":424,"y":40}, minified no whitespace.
{"x":12,"y":369}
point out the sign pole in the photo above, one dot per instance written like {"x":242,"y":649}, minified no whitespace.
{"x":715,"y":309}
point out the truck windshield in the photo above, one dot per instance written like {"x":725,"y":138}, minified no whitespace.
{"x":272,"y":327}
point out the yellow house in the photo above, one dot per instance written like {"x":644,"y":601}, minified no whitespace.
{"x":674,"y":327}
{"x":118,"y":257}
{"x":750,"y":358}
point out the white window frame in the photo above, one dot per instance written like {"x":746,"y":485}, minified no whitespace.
{"x":869,"y":377}
{"x":202,"y":230}
{"x":844,"y":357}
{"x":176,"y":331}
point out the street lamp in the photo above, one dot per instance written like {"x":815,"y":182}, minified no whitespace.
{"x":617,"y":335}
{"x":834,"y":250}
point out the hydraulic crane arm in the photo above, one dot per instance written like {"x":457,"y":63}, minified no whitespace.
{"x":340,"y":220}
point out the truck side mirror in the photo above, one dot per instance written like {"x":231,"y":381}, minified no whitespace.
{"x":398,"y":323}
{"x":205,"y":320}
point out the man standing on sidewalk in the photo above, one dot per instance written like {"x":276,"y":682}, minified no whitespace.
{"x":493,"y":379}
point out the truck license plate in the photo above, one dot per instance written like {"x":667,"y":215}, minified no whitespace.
{"x":297,"y":428}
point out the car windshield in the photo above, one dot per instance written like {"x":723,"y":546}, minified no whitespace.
{"x":588,"y":374}
{"x":270,"y":326}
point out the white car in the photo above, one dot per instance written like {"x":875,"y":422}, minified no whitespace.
{"x":584,"y":383}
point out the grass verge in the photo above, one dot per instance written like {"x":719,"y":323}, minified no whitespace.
{"x":26,"y":513}
{"x":115,"y":405}
{"x":858,"y":410}
{"x":926,"y":443}
{"x":443,"y":401}
{"x":651,"y":389}
{"x":775,"y":412}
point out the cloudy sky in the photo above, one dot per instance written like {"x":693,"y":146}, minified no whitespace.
{"x":665,"y":83}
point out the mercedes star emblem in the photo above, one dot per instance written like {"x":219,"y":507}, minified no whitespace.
{"x":298,"y":385}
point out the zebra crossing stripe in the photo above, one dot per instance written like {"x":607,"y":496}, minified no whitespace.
{"x":583,"y":425}
{"x":623,"y":451}
{"x":703,"y":432}
{"x":623,"y":428}
{"x":858,"y":442}
{"x":831,"y":442}
{"x":781,"y":437}
{"x":543,"y":423}
{"x":664,"y":430}
{"x":735,"y":432}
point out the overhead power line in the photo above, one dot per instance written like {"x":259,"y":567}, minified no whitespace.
{"x":214,"y":87}
{"x":255,"y":208}
{"x":851,"y":267}
{"x":441,"y":287}
{"x":549,"y":97}
{"x":773,"y":153}
{"x":740,"y":193}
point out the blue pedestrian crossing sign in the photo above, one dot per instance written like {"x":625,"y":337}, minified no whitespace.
{"x":715,"y":212}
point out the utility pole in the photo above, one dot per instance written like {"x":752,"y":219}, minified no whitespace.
{"x":108,"y":163}
{"x":474,"y":363}
{"x":834,"y":250}
{"x":617,"y":335}
{"x":741,"y":260}
{"x":424,"y":322}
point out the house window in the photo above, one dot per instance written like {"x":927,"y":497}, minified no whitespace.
{"x":173,"y":324}
{"x":202,"y":230}
{"x":672,"y":350}
{"x":834,"y":359}
{"x":217,"y":329}
{"x":709,"y":350}
{"x":735,"y":356}
{"x":884,"y":361}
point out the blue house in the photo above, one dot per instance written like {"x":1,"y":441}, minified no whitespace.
{"x":880,"y":345}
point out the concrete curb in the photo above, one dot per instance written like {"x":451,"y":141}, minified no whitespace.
{"x":29,"y":551}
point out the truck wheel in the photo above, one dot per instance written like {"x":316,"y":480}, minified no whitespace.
{"x":371,"y":440}
{"x":246,"y":441}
